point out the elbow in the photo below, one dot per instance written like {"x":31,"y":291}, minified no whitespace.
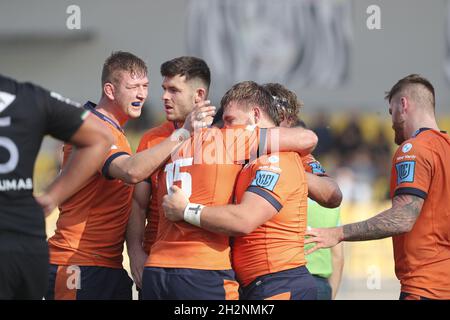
{"x":400,"y":227}
{"x":335,"y":199}
{"x":242,"y":229}
{"x":332,"y":199}
{"x":132,"y":175}
{"x":314,"y":139}
{"x":310,"y":143}
{"x":403,"y":225}
{"x":136,"y":172}
{"x":406,"y":227}
{"x":333,"y":195}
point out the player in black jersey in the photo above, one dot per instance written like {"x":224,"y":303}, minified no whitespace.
{"x":28,"y":113}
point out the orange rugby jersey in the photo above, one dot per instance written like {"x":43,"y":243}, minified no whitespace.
{"x":90,"y":230}
{"x":150,"y":139}
{"x":278,"y":244}
{"x":206,"y":169}
{"x":422,"y":256}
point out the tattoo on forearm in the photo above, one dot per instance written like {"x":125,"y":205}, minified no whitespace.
{"x":396,"y":220}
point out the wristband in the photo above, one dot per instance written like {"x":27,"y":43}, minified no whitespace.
{"x":192,"y":213}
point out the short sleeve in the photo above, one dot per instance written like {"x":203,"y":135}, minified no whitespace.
{"x":119,"y":148}
{"x":274,"y":182}
{"x":412,"y":168}
{"x":311,"y":165}
{"x":64,"y":117}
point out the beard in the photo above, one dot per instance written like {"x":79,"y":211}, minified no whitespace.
{"x":399,"y":132}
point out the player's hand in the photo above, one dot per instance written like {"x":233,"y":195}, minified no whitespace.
{"x":137,"y":262}
{"x":323,"y":238}
{"x":201,"y":116}
{"x":174,"y":204}
{"x":47,"y":204}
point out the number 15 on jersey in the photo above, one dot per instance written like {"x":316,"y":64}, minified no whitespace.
{"x":173,"y":175}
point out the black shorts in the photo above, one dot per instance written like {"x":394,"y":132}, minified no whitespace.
{"x":23,"y":267}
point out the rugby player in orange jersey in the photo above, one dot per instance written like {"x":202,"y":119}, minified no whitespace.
{"x":186,"y":82}
{"x":269,"y":220}
{"x":419,"y":220}
{"x":186,"y":262}
{"x":86,"y":250}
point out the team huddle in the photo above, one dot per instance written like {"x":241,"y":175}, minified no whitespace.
{"x":213,"y":205}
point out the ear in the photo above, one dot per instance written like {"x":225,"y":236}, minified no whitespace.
{"x":404,"y":104}
{"x":200,"y":95}
{"x":108,"y":90}
{"x":256,"y":115}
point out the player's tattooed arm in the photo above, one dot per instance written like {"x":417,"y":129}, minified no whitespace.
{"x":396,"y":220}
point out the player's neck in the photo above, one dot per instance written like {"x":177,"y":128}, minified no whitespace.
{"x":178,"y":124}
{"x":265,"y":123}
{"x":422,"y":121}
{"x":112,"y":111}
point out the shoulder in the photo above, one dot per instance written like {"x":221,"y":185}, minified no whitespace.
{"x":154,"y":135}
{"x":164,"y":129}
{"x":413,"y":146}
{"x":119,"y":136}
{"x":7,"y":84}
{"x":279,"y":162}
{"x":412,"y":154}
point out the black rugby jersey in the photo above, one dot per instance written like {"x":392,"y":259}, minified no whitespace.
{"x":28,"y":113}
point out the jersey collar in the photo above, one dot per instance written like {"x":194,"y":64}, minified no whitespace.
{"x":91,"y":107}
{"x":415,"y":134}
{"x":424,"y":129}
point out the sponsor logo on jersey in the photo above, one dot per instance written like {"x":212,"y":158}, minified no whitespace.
{"x":59,"y":97}
{"x":407,"y":147}
{"x":16,"y":184}
{"x":273,"y":159}
{"x":265,"y":179}
{"x":271,"y":168}
{"x":405,"y":171}
{"x":408,"y":156}
{"x":6,"y":99}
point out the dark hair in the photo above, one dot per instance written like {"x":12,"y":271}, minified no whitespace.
{"x":190,"y":67}
{"x":285,"y":101}
{"x":298,"y":123}
{"x":250,"y":93}
{"x":122,"y":61}
{"x":217,"y":120}
{"x":412,"y":79}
